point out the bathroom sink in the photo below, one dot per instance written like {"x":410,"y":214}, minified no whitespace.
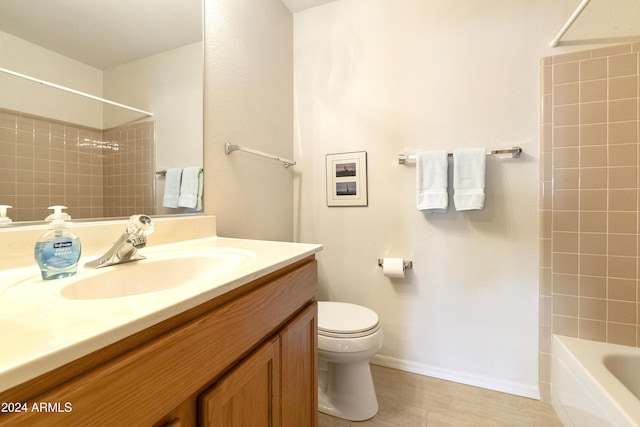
{"x":159,"y":272}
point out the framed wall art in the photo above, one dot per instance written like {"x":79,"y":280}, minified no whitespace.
{"x":347,"y":179}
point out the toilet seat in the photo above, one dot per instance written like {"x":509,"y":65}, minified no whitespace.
{"x":345,"y":320}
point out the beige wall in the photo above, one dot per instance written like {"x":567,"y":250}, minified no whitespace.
{"x":22,"y":95}
{"x":589,"y":196}
{"x":391,"y":77}
{"x":249,"y":101}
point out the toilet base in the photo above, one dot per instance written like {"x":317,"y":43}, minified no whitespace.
{"x":346,"y":391}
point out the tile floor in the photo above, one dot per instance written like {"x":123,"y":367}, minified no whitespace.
{"x":410,"y":400}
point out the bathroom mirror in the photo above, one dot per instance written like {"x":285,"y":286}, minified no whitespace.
{"x":102,"y":161}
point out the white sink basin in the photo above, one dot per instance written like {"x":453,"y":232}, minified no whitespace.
{"x":159,"y":272}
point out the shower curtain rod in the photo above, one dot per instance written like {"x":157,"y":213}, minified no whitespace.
{"x":77,"y":92}
{"x":569,"y":23}
{"x":230,"y":148}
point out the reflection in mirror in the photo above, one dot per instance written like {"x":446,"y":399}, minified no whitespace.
{"x":98,"y":159}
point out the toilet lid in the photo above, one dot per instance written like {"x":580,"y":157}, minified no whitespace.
{"x":343,"y":318}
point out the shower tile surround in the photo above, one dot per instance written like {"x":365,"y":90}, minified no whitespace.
{"x":96,"y":173}
{"x":589,"y":202}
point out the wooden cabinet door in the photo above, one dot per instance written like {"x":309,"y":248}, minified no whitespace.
{"x":248,"y":396}
{"x":299,"y":367}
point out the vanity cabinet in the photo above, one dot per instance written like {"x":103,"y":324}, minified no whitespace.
{"x":248,"y":357}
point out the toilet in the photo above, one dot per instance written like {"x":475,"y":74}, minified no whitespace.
{"x":348,"y":336}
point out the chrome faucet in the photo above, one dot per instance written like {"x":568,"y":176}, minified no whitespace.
{"x":126,"y":248}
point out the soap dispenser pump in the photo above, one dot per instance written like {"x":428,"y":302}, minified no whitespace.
{"x":4,"y":219}
{"x":58,"y":250}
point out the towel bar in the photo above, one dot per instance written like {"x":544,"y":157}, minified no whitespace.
{"x":163,"y":172}
{"x":230,"y":148}
{"x":515,"y":153}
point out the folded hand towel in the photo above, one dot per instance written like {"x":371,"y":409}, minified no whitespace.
{"x":191,"y":188}
{"x":469,"y":178}
{"x":172,"y":188}
{"x":431,"y":181}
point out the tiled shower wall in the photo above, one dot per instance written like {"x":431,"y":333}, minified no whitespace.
{"x":94,"y":173}
{"x":589,"y":199}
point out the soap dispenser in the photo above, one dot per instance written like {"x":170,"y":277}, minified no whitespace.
{"x":58,"y":250}
{"x":4,"y":219}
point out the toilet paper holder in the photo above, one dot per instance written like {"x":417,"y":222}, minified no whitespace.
{"x":405,"y":264}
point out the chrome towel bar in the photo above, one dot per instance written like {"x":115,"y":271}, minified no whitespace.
{"x":230,"y":148}
{"x":163,"y":172}
{"x":515,"y":153}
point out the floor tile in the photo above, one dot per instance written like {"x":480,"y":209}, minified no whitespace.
{"x":411,"y":400}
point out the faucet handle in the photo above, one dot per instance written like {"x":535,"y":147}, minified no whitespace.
{"x":140,"y":225}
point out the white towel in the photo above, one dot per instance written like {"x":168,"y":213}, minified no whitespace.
{"x":431,"y":181}
{"x":172,"y":188}
{"x":191,"y":188}
{"x":469,"y":167}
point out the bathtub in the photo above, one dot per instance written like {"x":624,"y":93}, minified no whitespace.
{"x":595,"y":384}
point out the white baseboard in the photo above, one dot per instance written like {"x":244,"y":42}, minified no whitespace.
{"x":460,"y":377}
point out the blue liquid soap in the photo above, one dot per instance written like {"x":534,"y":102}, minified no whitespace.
{"x":58,"y":250}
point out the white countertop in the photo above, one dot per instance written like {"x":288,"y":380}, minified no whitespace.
{"x":41,"y":330}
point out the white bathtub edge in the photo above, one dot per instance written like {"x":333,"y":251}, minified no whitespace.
{"x":583,"y":389}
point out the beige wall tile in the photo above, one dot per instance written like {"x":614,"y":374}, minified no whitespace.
{"x":623,"y":87}
{"x":565,"y":200}
{"x":623,"y":65}
{"x":565,"y":263}
{"x":594,"y":90}
{"x":593,"y":287}
{"x":623,"y":200}
{"x":593,"y":265}
{"x":593,"y":308}
{"x":621,"y":267}
{"x":622,"y":244}
{"x":563,"y":115}
{"x":566,"y":284}
{"x":593,"y":200}
{"x":593,"y":156}
{"x":595,"y":134}
{"x":566,"y":94}
{"x":593,"y":243}
{"x":594,"y":330}
{"x":621,"y":289}
{"x":593,"y":69}
{"x":623,"y":133}
{"x":623,"y":155}
{"x":567,"y":221}
{"x":593,"y":235}
{"x":568,"y":72}
{"x":621,"y":312}
{"x":546,"y":282}
{"x":566,"y":136}
{"x":565,"y":305}
{"x":564,"y":325}
{"x":622,"y":222}
{"x":565,"y":242}
{"x":619,"y":333}
{"x":593,"y":222}
{"x":593,"y":178}
{"x":593,"y":112}
{"x":623,"y":177}
{"x":566,"y":178}
{"x":623,"y":110}
{"x":566,"y":157}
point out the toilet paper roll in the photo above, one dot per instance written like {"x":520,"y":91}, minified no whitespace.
{"x":393,"y":267}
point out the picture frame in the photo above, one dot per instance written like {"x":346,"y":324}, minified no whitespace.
{"x":347,"y":179}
